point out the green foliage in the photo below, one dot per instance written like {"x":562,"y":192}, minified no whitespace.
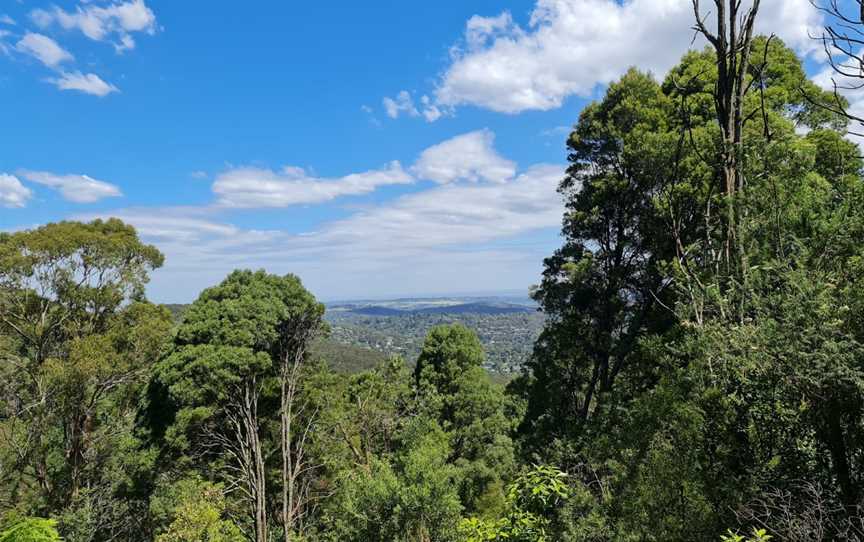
{"x":759,"y":535}
{"x":531,"y":499}
{"x":411,"y":498}
{"x":197,"y":512}
{"x":31,"y":530}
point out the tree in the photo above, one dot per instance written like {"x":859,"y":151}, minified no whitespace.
{"x":198,"y":510}
{"x":77,"y":339}
{"x":236,"y":340}
{"x":604,"y":288}
{"x":454,"y":389}
{"x":733,"y":45}
{"x":531,"y":499}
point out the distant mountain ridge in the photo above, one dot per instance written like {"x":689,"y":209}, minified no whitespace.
{"x":461,"y":308}
{"x":439,"y":305}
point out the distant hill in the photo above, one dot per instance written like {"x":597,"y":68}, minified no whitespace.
{"x":476,"y":308}
{"x":378,"y":311}
{"x":461,"y":308}
{"x":434,"y":305}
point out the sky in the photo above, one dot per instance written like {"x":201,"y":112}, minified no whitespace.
{"x":375,"y":149}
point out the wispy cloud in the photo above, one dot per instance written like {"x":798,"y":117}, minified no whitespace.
{"x":116,"y":21}
{"x":403,"y":104}
{"x":75,"y":188}
{"x":455,"y":230}
{"x":44,"y":49}
{"x":256,"y":187}
{"x":468,"y":157}
{"x":88,"y":83}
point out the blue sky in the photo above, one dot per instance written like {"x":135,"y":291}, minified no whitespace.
{"x":374,"y":148}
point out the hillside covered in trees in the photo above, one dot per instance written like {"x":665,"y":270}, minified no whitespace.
{"x":699,"y":374}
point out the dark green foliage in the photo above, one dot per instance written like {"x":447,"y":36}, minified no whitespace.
{"x":679,"y":391}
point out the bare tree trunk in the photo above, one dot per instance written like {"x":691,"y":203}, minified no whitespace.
{"x":294,"y":466}
{"x":292,"y":451}
{"x":245,"y":446}
{"x":732,"y":44}
{"x":288,"y":389}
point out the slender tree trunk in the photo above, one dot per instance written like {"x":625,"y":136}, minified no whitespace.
{"x":292,"y":453}
{"x":247,"y":449}
{"x":287,"y":406}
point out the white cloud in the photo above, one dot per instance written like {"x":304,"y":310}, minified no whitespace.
{"x":403,"y":103}
{"x":482,"y":236}
{"x":5,"y":19}
{"x":571,"y":46}
{"x":12,"y":192}
{"x":75,"y":188}
{"x":44,"y":49}
{"x":88,"y":83}
{"x":456,"y":214}
{"x":468,"y":157}
{"x":117,"y":20}
{"x":478,"y":237}
{"x":256,"y":187}
{"x":431,"y":112}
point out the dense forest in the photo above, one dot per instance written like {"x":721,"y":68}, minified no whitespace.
{"x":699,"y":375}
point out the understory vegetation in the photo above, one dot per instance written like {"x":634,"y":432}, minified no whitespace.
{"x":699,"y":375}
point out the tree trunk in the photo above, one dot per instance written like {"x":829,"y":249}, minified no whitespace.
{"x":246,"y":448}
{"x":732,"y":44}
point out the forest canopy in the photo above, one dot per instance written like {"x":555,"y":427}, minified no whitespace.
{"x":699,"y":376}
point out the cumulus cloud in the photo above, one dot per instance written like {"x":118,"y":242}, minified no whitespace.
{"x":74,"y":188}
{"x":12,"y":192}
{"x":469,"y":157}
{"x":257,"y":187}
{"x":115,"y":21}
{"x":569,"y":47}
{"x":43,"y":49}
{"x":7,"y":20}
{"x":88,"y":83}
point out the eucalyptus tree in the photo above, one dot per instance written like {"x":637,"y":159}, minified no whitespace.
{"x":77,"y":339}
{"x":239,"y":343}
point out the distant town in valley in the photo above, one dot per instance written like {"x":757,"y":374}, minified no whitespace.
{"x":364,"y":333}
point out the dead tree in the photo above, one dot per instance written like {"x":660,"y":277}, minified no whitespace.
{"x":732,"y":42}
